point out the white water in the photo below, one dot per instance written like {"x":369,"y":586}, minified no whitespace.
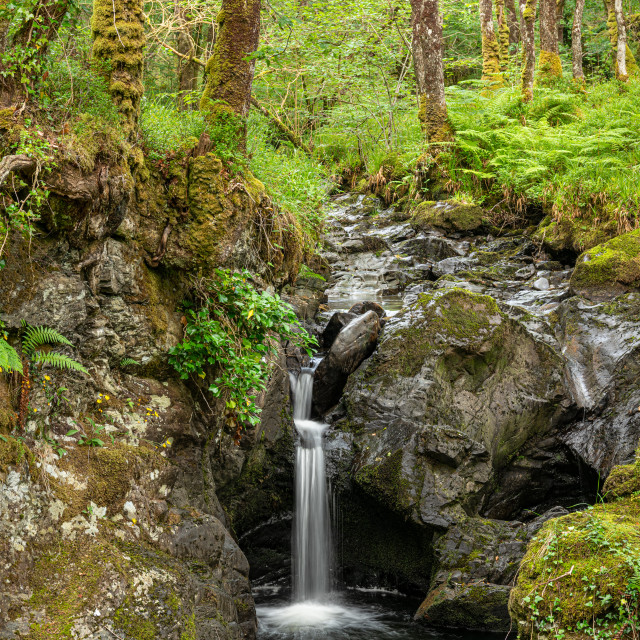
{"x":312,"y":533}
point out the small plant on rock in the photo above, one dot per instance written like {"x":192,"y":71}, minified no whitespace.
{"x":230,"y":335}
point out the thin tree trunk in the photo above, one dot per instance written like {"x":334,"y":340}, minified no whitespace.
{"x":503,"y":35}
{"x":490,"y":46}
{"x":528,"y":15}
{"x":560,"y":7}
{"x":229,"y":71}
{"x":549,"y":65}
{"x":427,"y":49}
{"x":187,"y":68}
{"x":512,"y":22}
{"x":612,"y":23}
{"x":289,"y":133}
{"x":4,"y":27}
{"x":576,"y":42}
{"x":621,"y":52}
{"x":118,"y":32}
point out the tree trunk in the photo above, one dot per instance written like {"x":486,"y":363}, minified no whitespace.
{"x":576,"y":42}
{"x":227,"y":94}
{"x":512,"y":22}
{"x":612,"y":23}
{"x":490,"y":46}
{"x":426,"y":45}
{"x":503,"y":35}
{"x":187,"y":68}
{"x":118,"y":45}
{"x":528,"y":16}
{"x":560,"y":7}
{"x":621,"y":50}
{"x":4,"y":27}
{"x":549,"y":65}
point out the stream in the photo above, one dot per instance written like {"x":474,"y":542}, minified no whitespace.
{"x":375,"y":256}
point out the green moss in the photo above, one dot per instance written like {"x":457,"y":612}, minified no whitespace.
{"x":577,"y":569}
{"x":610,"y":268}
{"x":385,"y":482}
{"x":455,"y":315}
{"x":549,"y":66}
{"x":574,"y":233}
{"x":12,"y":453}
{"x":448,"y":216}
{"x":622,"y":481}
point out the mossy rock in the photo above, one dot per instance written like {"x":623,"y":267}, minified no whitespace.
{"x":609,"y":269}
{"x":622,"y":481}
{"x":480,"y":607}
{"x":450,"y":217}
{"x":576,"y":571}
{"x":573,"y":235}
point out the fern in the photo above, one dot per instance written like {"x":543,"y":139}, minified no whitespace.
{"x":35,"y":337}
{"x":9,"y":358}
{"x":125,"y":362}
{"x":57,"y":360}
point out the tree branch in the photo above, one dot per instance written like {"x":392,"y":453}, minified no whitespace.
{"x":15,"y":163}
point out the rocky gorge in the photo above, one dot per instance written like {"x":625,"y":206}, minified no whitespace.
{"x":477,"y":385}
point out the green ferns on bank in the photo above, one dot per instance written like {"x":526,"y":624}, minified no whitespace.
{"x":576,"y":152}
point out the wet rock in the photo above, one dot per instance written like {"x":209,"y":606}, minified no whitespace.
{"x":450,"y":359}
{"x":362,"y":307}
{"x":354,"y":343}
{"x":541,"y":284}
{"x":479,"y":607}
{"x":430,"y":247}
{"x":337,"y":322}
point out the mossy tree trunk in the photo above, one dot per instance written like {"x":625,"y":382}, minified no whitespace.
{"x":426,"y":44}
{"x":503,"y":35}
{"x":227,"y":94}
{"x":512,"y":22}
{"x":576,"y":42}
{"x":490,"y":45}
{"x":118,"y":45}
{"x":4,"y":26}
{"x":549,"y":65}
{"x":187,"y":68}
{"x":612,"y":23}
{"x":528,"y":16}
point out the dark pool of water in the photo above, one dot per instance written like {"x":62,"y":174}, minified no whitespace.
{"x":351,"y":615}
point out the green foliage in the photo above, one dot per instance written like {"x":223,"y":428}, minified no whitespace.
{"x":127,"y":362}
{"x":35,"y":338}
{"x":574,"y":151}
{"x":165,"y":129}
{"x":297,"y":183}
{"x":231,"y":335}
{"x":9,"y":358}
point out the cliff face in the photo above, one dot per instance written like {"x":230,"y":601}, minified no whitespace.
{"x":125,"y":532}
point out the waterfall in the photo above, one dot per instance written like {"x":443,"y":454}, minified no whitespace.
{"x":312,"y":527}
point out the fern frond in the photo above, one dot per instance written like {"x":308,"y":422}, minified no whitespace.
{"x":58,"y":360}
{"x":125,"y":362}
{"x":9,"y":358}
{"x":35,"y":337}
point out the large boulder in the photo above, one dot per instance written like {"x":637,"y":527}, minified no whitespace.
{"x":354,"y":343}
{"x":454,"y":390}
{"x":609,"y":269}
{"x":449,"y":216}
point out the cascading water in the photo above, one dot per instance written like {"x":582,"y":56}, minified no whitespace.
{"x":312,"y":533}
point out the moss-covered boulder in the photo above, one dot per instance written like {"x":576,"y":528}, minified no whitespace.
{"x":567,"y":235}
{"x":623,"y":481}
{"x":575,"y":578}
{"x":609,"y":269}
{"x":449,"y":216}
{"x":437,"y":407}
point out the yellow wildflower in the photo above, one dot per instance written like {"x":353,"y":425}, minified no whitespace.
{"x":47,"y":378}
{"x":106,"y":397}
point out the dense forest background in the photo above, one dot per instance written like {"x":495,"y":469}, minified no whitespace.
{"x":334,"y":103}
